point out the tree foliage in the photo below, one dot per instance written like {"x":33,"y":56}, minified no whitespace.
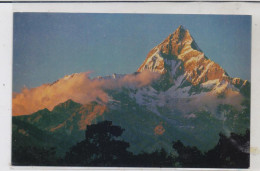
{"x":230,"y":152}
{"x":100,"y":148}
{"x":103,"y":146}
{"x":188,"y":156}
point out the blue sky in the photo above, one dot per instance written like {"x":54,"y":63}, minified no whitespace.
{"x":48,"y":46}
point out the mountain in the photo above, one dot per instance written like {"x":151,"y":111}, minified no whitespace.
{"x":193,"y":99}
{"x":179,"y":54}
{"x":182,"y":62}
{"x":64,"y":125}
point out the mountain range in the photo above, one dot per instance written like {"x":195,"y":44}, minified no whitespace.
{"x":177,"y":93}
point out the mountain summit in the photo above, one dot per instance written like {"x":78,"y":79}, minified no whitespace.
{"x":179,"y":55}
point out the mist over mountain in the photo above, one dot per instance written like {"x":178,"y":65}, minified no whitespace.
{"x":177,"y":93}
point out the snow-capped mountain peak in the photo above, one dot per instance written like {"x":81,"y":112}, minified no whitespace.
{"x":179,"y":55}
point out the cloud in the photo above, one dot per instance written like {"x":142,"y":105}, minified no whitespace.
{"x":211,"y":102}
{"x":206,"y":102}
{"x":77,"y":87}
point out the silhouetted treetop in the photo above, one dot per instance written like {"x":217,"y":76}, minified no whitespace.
{"x":104,"y":129}
{"x":100,"y":148}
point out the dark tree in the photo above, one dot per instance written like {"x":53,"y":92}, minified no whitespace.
{"x":158,"y":158}
{"x":230,"y":152}
{"x":102,"y":147}
{"x":188,"y":156}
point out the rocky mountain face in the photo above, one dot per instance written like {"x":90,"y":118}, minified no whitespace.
{"x":193,"y":100}
{"x":179,"y":55}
